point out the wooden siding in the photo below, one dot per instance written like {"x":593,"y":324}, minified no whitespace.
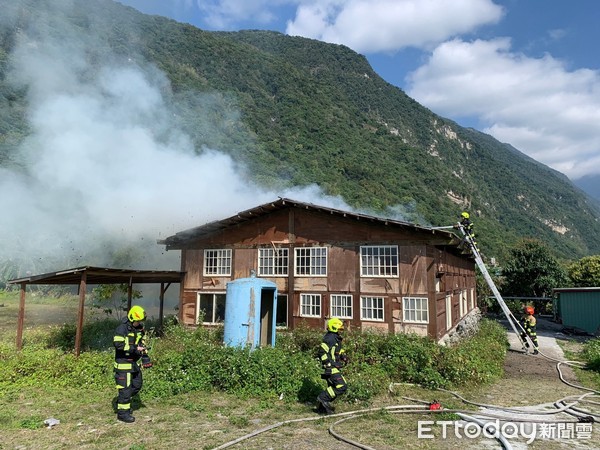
{"x":344,"y":269}
{"x":422,"y":268}
{"x":413,"y":270}
{"x":192,"y":264}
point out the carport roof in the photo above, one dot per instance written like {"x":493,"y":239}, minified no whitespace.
{"x":102,"y":275}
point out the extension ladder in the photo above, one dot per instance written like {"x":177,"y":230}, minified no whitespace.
{"x":512,"y":320}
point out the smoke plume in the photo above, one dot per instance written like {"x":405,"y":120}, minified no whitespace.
{"x":105,"y":170}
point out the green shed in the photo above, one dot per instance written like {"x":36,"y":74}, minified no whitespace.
{"x":578,"y":308}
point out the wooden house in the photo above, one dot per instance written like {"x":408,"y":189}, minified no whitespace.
{"x":372,"y":272}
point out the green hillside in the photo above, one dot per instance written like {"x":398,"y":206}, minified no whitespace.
{"x":297,"y":111}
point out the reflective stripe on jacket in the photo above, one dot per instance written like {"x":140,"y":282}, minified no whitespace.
{"x":329,"y":352}
{"x":126,"y":341}
{"x":529,"y":324}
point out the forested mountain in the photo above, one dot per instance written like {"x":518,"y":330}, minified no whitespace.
{"x":297,"y":111}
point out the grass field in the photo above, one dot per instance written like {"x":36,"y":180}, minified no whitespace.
{"x":209,"y":420}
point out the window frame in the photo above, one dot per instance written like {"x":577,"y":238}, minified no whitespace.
{"x":417,"y":310}
{"x":311,"y":305}
{"x":372,"y":308}
{"x":311,"y":268}
{"x":472,"y":299}
{"x":274,"y":258}
{"x":214,"y":307}
{"x":223,"y":254}
{"x":448,"y":308}
{"x":349,"y":306}
{"x":280,"y":300}
{"x":393,"y":269}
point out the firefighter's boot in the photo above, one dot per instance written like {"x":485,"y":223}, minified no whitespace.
{"x":324,"y":406}
{"x":126,"y":416}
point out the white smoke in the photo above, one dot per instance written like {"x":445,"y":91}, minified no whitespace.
{"x":105,"y":169}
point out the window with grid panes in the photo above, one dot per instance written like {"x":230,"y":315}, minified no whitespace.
{"x":341,"y":306}
{"x":415,"y":309}
{"x":217,"y":262}
{"x":310,"y":305}
{"x":371,"y":308}
{"x":379,"y":261}
{"x":310,"y":261}
{"x":273,"y":261}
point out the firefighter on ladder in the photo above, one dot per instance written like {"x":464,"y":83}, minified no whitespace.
{"x":467,"y":226}
{"x":528,"y":323}
{"x":333,"y":358}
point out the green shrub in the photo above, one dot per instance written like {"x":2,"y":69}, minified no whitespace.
{"x":188,"y":360}
{"x":95,"y":335}
{"x":51,"y":367}
{"x":591,"y":354}
{"x":301,"y":339}
{"x":365,"y":381}
{"x":477,"y":360}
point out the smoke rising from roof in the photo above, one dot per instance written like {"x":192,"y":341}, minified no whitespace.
{"x":105,"y":170}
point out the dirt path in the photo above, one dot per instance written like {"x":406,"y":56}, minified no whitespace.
{"x":532,"y":382}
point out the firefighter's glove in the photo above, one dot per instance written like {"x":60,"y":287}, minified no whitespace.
{"x":344,"y":359}
{"x":146,"y":362}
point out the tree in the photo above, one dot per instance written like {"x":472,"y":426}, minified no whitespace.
{"x":585,"y":272}
{"x":112,"y":299}
{"x":532,"y":270}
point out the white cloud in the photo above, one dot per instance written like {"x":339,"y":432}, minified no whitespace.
{"x":363,"y":25}
{"x":537,"y":105}
{"x":369,"y":26}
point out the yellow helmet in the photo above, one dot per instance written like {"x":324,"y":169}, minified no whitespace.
{"x":136,"y":314}
{"x":335,"y":325}
{"x":465,"y":214}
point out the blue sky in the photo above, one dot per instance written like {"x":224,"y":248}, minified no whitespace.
{"x":524,"y":71}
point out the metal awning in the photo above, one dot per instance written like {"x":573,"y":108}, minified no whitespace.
{"x":101,"y":275}
{"x":85,"y":275}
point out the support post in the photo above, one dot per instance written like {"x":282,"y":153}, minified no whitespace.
{"x":161,"y":307}
{"x":21,"y":317}
{"x":79,"y":332}
{"x":129,"y":293}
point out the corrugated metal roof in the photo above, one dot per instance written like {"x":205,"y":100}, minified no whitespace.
{"x":576,"y":289}
{"x":101,"y":275}
{"x":179,"y":239}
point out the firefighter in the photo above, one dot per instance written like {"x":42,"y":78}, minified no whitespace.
{"x":467,"y":226}
{"x":333,"y":358}
{"x":130,"y":351}
{"x":466,"y":223}
{"x":528,"y":323}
